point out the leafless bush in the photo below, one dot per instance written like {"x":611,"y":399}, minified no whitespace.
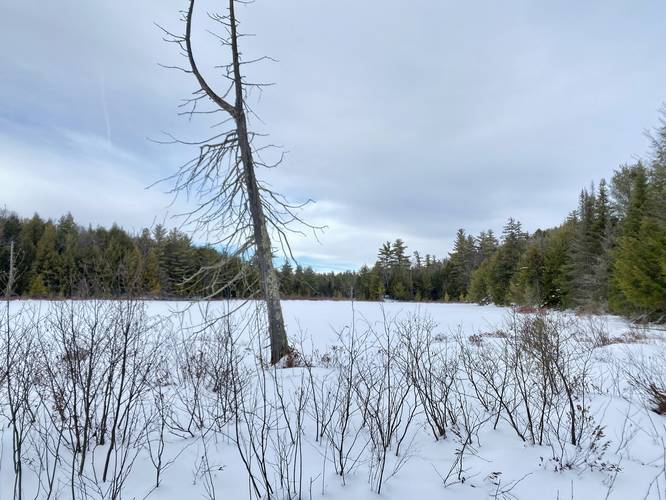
{"x":77,"y":342}
{"x":204,"y":359}
{"x":287,"y":440}
{"x":385,"y":397}
{"x":647,"y":375}
{"x":596,"y":331}
{"x":89,"y":388}
{"x":487,"y":372}
{"x":257,"y":420}
{"x":637,"y":333}
{"x":19,"y":377}
{"x":341,"y":425}
{"x":468,"y":421}
{"x":431,"y":371}
{"x":550,"y":366}
{"x":537,"y":380}
{"x":266,"y":420}
{"x":47,"y":442}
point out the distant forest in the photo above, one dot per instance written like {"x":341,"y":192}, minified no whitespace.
{"x":609,"y":254}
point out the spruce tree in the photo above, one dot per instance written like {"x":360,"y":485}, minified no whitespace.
{"x":505,"y":261}
{"x":629,"y":251}
{"x":47,"y":262}
{"x":287,"y":279}
{"x":151,"y":274}
{"x":462,"y":263}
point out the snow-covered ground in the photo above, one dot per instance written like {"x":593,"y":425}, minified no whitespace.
{"x":215,"y":431}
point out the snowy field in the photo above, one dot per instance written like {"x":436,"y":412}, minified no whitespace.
{"x":171,"y":400}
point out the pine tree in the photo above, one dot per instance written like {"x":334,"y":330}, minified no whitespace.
{"x":481,"y":283}
{"x":603,"y":230}
{"x":621,"y":187}
{"x":31,"y":233}
{"x":640,"y":270}
{"x":585,"y":251}
{"x":527,"y":285}
{"x":287,"y":279}
{"x":486,"y":245}
{"x":629,"y":249}
{"x":556,"y":261}
{"x":47,"y":261}
{"x":505,"y":261}
{"x":400,"y":259}
{"x":151,"y":273}
{"x":385,"y":261}
{"x":639,"y":267}
{"x":178,"y":262}
{"x":37,"y":288}
{"x":376,"y":286}
{"x":400,"y":286}
{"x":462,"y":263}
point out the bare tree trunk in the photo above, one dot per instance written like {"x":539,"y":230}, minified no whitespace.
{"x":269,"y":279}
{"x":12,"y":271}
{"x":262,"y":242}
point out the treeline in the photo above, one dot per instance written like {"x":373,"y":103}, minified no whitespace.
{"x":45,"y":258}
{"x":64,"y":259}
{"x":609,"y":254}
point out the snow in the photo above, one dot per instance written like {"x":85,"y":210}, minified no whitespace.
{"x":497,"y":463}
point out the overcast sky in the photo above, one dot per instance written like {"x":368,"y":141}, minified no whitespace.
{"x":401,"y":119}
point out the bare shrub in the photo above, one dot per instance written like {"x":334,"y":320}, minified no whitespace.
{"x":77,"y":342}
{"x":596,"y":330}
{"x":19,"y":377}
{"x":527,"y":310}
{"x":647,"y":375}
{"x":386,"y":399}
{"x":431,"y":371}
{"x":340,"y":408}
{"x":537,"y":380}
{"x":89,"y":388}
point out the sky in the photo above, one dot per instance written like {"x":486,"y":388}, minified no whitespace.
{"x":400,"y":119}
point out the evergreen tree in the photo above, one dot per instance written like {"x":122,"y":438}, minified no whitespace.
{"x":287,"y":279}
{"x":400,"y":285}
{"x":31,"y":233}
{"x":482,"y":281}
{"x":37,"y":288}
{"x":640,"y":271}
{"x":556,"y":262}
{"x":47,"y":262}
{"x":528,"y":282}
{"x":627,"y":248}
{"x":486,"y":244}
{"x":462,"y":263}
{"x":385,"y":261}
{"x":639,"y":277}
{"x":584,"y":251}
{"x":505,"y":261}
{"x":151,"y":274}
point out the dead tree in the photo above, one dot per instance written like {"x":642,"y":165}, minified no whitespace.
{"x":232,"y":203}
{"x":10,"y":277}
{"x":11,"y":273}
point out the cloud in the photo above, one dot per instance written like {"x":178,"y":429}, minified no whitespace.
{"x":84,"y":175}
{"x":401,"y":119}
